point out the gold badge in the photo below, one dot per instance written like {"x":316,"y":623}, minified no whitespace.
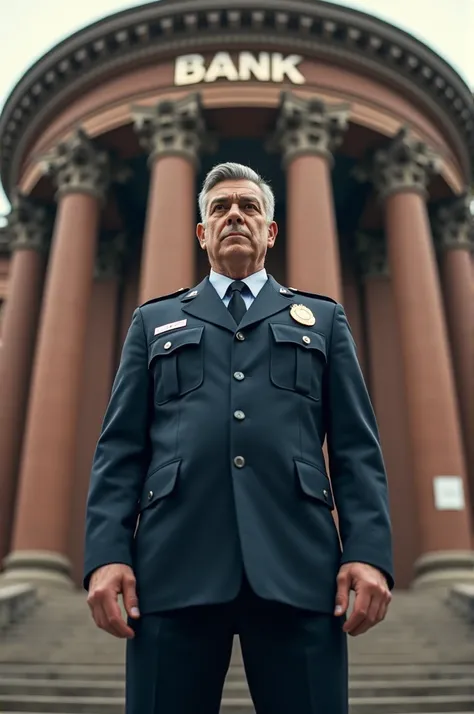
{"x":302,"y":314}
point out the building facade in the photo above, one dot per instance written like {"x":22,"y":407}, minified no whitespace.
{"x":367,"y":138}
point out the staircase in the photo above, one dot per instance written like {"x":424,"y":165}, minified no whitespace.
{"x":421,"y":659}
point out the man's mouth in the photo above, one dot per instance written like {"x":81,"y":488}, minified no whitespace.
{"x":234,"y":234}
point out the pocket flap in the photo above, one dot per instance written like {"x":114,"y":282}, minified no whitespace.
{"x":314,"y":483}
{"x":307,"y":339}
{"x":159,"y":484}
{"x":167,"y":344}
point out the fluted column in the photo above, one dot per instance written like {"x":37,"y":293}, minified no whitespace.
{"x":307,"y":132}
{"x":29,"y":228}
{"x":173,"y":133}
{"x":452,"y":228}
{"x":40,"y":535}
{"x":401,"y":173}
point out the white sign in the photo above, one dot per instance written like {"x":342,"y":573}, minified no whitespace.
{"x":266,"y":67}
{"x":448,"y":493}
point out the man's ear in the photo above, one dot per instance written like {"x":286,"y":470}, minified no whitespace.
{"x":272,"y":233}
{"x":201,"y":235}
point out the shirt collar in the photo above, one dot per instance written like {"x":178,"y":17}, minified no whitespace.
{"x":254,"y":282}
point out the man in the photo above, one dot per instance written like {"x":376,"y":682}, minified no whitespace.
{"x":210,"y":508}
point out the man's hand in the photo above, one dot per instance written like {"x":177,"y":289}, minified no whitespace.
{"x":372,"y":597}
{"x":105,"y":585}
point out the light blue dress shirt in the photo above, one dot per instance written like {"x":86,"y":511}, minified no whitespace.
{"x":254,"y":283}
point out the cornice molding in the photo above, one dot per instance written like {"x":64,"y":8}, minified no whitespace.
{"x":159,"y":29}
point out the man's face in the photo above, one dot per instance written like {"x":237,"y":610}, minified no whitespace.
{"x":236,"y":233}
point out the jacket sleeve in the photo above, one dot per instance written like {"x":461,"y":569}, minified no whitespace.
{"x":120,"y":459}
{"x":356,"y":463}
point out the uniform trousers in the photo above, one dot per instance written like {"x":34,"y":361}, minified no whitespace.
{"x":295,"y":660}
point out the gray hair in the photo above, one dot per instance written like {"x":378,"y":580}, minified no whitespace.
{"x":237,"y":172}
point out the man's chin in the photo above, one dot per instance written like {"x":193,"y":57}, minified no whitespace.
{"x":231,"y":248}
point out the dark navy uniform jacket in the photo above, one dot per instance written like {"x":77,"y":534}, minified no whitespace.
{"x":210,"y":458}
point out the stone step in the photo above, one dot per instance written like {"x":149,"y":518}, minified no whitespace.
{"x":429,"y":657}
{"x":239,"y":705}
{"x":401,"y":705}
{"x":87,"y":629}
{"x":432,"y":705}
{"x":112,"y":689}
{"x":91,"y":673}
{"x":86,"y":632}
{"x":21,"y":646}
{"x":26,"y":651}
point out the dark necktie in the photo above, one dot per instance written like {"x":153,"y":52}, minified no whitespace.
{"x":236,"y":305}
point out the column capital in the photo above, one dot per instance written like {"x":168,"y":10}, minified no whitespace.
{"x":28,"y":224}
{"x":308,"y":126}
{"x":372,"y":254}
{"x":405,"y":164}
{"x":78,"y":165}
{"x":173,"y":128}
{"x":110,"y":256}
{"x":453,"y":224}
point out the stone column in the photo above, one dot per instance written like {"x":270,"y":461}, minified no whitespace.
{"x":173,"y":133}
{"x":401,"y":172}
{"x":452,"y":229}
{"x":386,"y":380}
{"x":40,"y":535}
{"x":97,"y":377}
{"x":29,"y":228}
{"x":307,"y":132}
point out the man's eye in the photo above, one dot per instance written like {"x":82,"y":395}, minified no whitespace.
{"x":219,"y":207}
{"x":251,"y":206}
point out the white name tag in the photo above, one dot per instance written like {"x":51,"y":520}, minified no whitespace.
{"x":171,"y":326}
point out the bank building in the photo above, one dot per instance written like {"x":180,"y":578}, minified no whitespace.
{"x":366,"y":136}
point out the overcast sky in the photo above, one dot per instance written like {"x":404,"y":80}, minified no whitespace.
{"x":28,"y":28}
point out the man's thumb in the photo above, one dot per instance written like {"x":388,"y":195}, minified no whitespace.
{"x":130,"y":599}
{"x":342,"y":595}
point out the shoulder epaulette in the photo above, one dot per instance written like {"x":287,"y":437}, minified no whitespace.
{"x":313,"y":295}
{"x":164,"y":297}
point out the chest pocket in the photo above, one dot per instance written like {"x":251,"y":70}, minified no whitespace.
{"x":297,"y":359}
{"x":177,"y":363}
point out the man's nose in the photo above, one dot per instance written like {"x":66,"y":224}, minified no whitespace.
{"x":234,"y":215}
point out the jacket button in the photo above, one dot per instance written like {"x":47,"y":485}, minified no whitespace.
{"x":150,"y":495}
{"x":239,"y":461}
{"x":239,"y":415}
{"x":306,"y":339}
{"x":239,"y":376}
{"x":167,"y":345}
{"x":240,"y":336}
{"x":325,"y":494}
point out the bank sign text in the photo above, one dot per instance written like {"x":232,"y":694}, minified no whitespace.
{"x":264,"y":67}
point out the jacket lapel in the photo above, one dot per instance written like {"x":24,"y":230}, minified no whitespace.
{"x":204,"y":303}
{"x":271,"y":299}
